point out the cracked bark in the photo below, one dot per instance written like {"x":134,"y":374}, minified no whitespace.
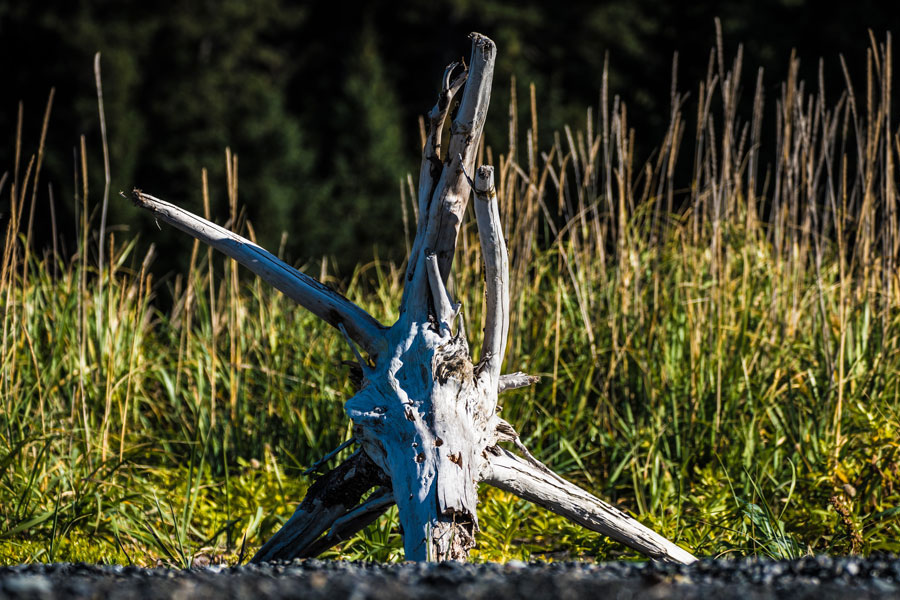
{"x":425,"y":416}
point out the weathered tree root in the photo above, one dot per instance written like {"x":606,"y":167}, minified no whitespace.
{"x":425,"y":415}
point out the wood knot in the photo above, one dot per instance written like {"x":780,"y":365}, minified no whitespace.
{"x":452,"y":361}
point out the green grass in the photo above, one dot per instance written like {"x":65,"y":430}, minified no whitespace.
{"x":720,"y":355}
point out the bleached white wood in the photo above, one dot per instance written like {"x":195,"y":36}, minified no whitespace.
{"x":422,"y":419}
{"x":455,"y":76}
{"x":422,"y":415}
{"x":432,"y":166}
{"x":513,"y":381}
{"x":442,"y":303}
{"x":541,"y":486}
{"x":318,"y":298}
{"x":496,"y":272}
{"x":451,"y":192}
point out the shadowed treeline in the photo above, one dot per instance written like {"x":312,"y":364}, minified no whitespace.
{"x":320,"y":102}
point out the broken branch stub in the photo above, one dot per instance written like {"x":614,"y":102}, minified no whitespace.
{"x":425,"y":415}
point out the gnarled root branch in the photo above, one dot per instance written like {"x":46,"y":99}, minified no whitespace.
{"x":332,"y":497}
{"x":512,"y":474}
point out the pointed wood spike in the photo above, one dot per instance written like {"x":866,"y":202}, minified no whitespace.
{"x":513,"y":381}
{"x":442,"y":303}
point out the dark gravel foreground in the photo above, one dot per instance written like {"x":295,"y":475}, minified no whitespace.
{"x":812,"y":577}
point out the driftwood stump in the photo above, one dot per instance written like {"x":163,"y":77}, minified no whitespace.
{"x":425,"y":417}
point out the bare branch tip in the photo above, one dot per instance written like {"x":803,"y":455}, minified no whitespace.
{"x":451,"y":82}
{"x":482,"y":41}
{"x":484,"y":182}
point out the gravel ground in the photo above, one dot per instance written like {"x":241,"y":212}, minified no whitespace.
{"x":811,"y":577}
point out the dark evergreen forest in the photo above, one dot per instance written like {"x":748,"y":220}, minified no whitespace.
{"x":321,"y":100}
